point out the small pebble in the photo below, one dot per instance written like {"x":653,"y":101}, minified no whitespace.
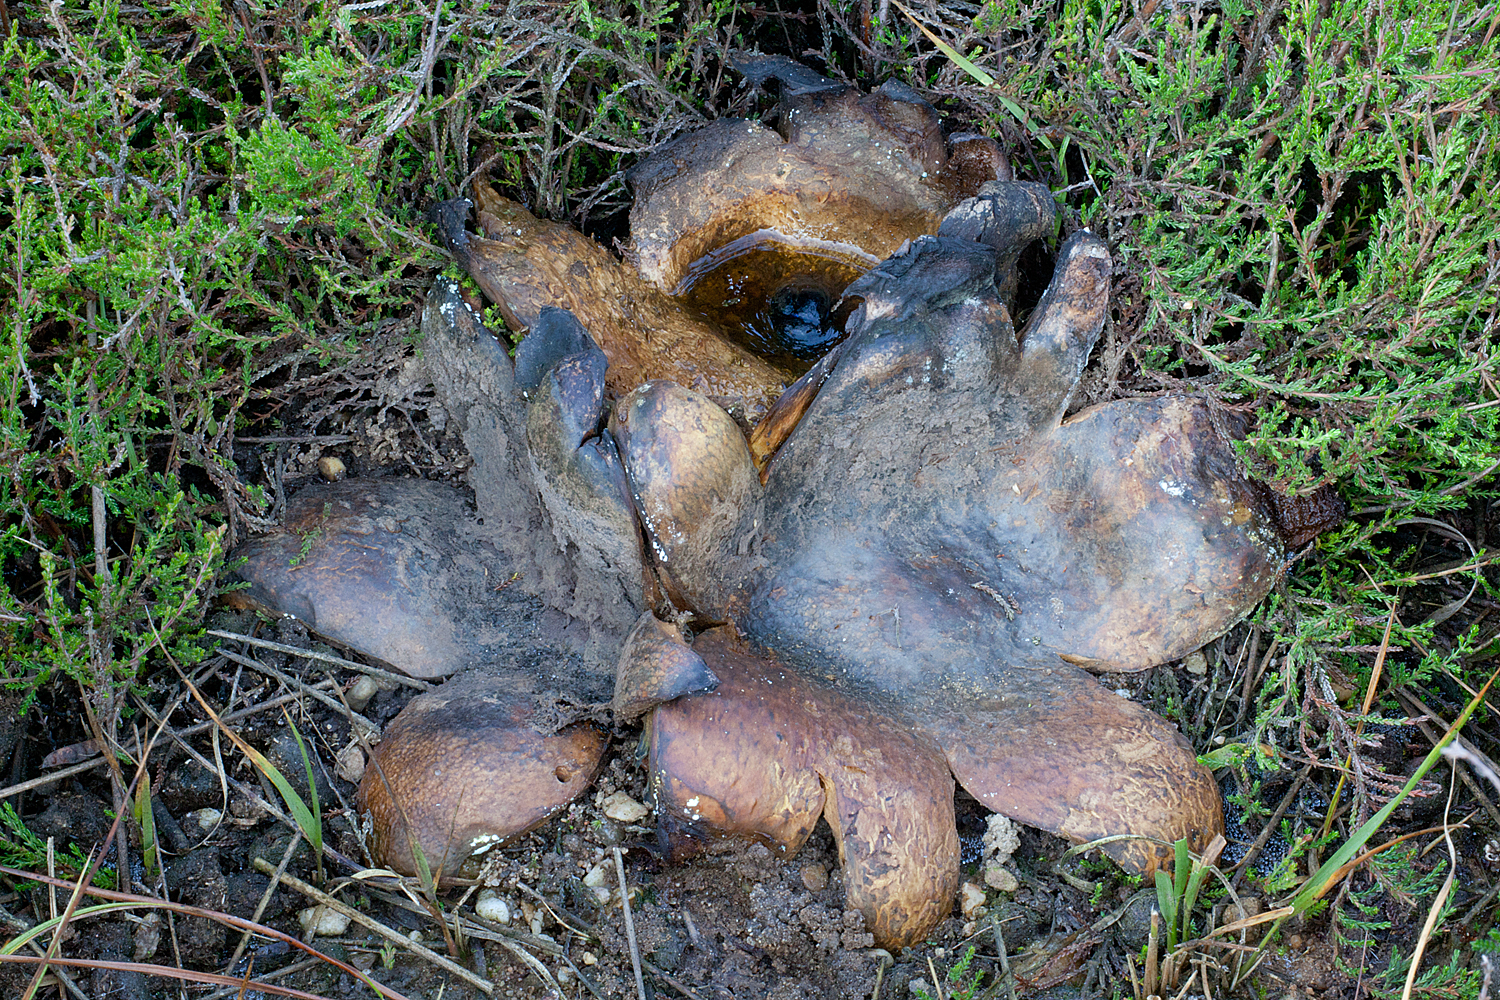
{"x":206,"y":818}
{"x":320,"y":921}
{"x":814,"y":877}
{"x":598,"y":883}
{"x":350,"y":764}
{"x":997,"y":876}
{"x":624,"y":809}
{"x":589,"y":958}
{"x":971,"y":900}
{"x":247,"y":811}
{"x":331,"y":469}
{"x":490,"y":906}
{"x":564,"y":976}
{"x":361,"y":691}
{"x":1196,"y":663}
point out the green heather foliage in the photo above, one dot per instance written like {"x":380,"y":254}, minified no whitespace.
{"x":1306,"y":196}
{"x":21,"y":848}
{"x":171,"y":230}
{"x":161,"y":233}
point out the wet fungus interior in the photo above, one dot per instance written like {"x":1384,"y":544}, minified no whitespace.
{"x":775,"y":296}
{"x":808,"y":505}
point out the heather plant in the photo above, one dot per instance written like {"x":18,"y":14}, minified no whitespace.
{"x":195,"y":205}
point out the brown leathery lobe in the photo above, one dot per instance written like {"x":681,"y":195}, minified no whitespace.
{"x":917,"y":556}
{"x":1301,"y":517}
{"x":463,"y":769}
{"x":850,"y":177}
{"x":702,"y":484}
{"x":799,"y":750}
{"x":524,"y":264}
{"x":935,"y":539}
{"x":862,"y":171}
{"x":393,"y":568}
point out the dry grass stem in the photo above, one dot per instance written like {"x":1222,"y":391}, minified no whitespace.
{"x":312,"y":654}
{"x":1459,"y":750}
{"x":227,"y":919}
{"x":168,"y":972}
{"x":370,"y":923}
{"x":311,"y":691}
{"x":260,"y":906}
{"x":50,"y":779}
{"x":1439,"y":900}
{"x":937,"y":984}
{"x":242,"y":984}
{"x":635,"y":951}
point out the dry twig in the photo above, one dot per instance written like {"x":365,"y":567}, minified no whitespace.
{"x":635,"y":952}
{"x":370,"y":923}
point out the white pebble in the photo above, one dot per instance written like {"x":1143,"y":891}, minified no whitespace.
{"x":997,"y":876}
{"x":598,"y":883}
{"x":206,"y":818}
{"x":320,"y":921}
{"x":623,"y":809}
{"x":360,"y":693}
{"x":490,"y":906}
{"x":971,"y":900}
{"x":350,"y":764}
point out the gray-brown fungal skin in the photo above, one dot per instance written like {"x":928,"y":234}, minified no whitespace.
{"x":865,"y":172}
{"x":798,"y":750}
{"x":526,"y":265}
{"x":693,"y":482}
{"x":940,"y":546}
{"x":394,"y":568}
{"x":917,"y":555}
{"x":850,"y":176}
{"x":656,"y":666}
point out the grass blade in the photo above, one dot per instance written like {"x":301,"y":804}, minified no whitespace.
{"x":315,"y":833}
{"x":146,"y":820}
{"x":310,"y":824}
{"x":978,"y":75}
{"x":1345,"y":857}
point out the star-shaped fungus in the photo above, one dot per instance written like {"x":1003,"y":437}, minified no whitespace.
{"x":899,"y":577}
